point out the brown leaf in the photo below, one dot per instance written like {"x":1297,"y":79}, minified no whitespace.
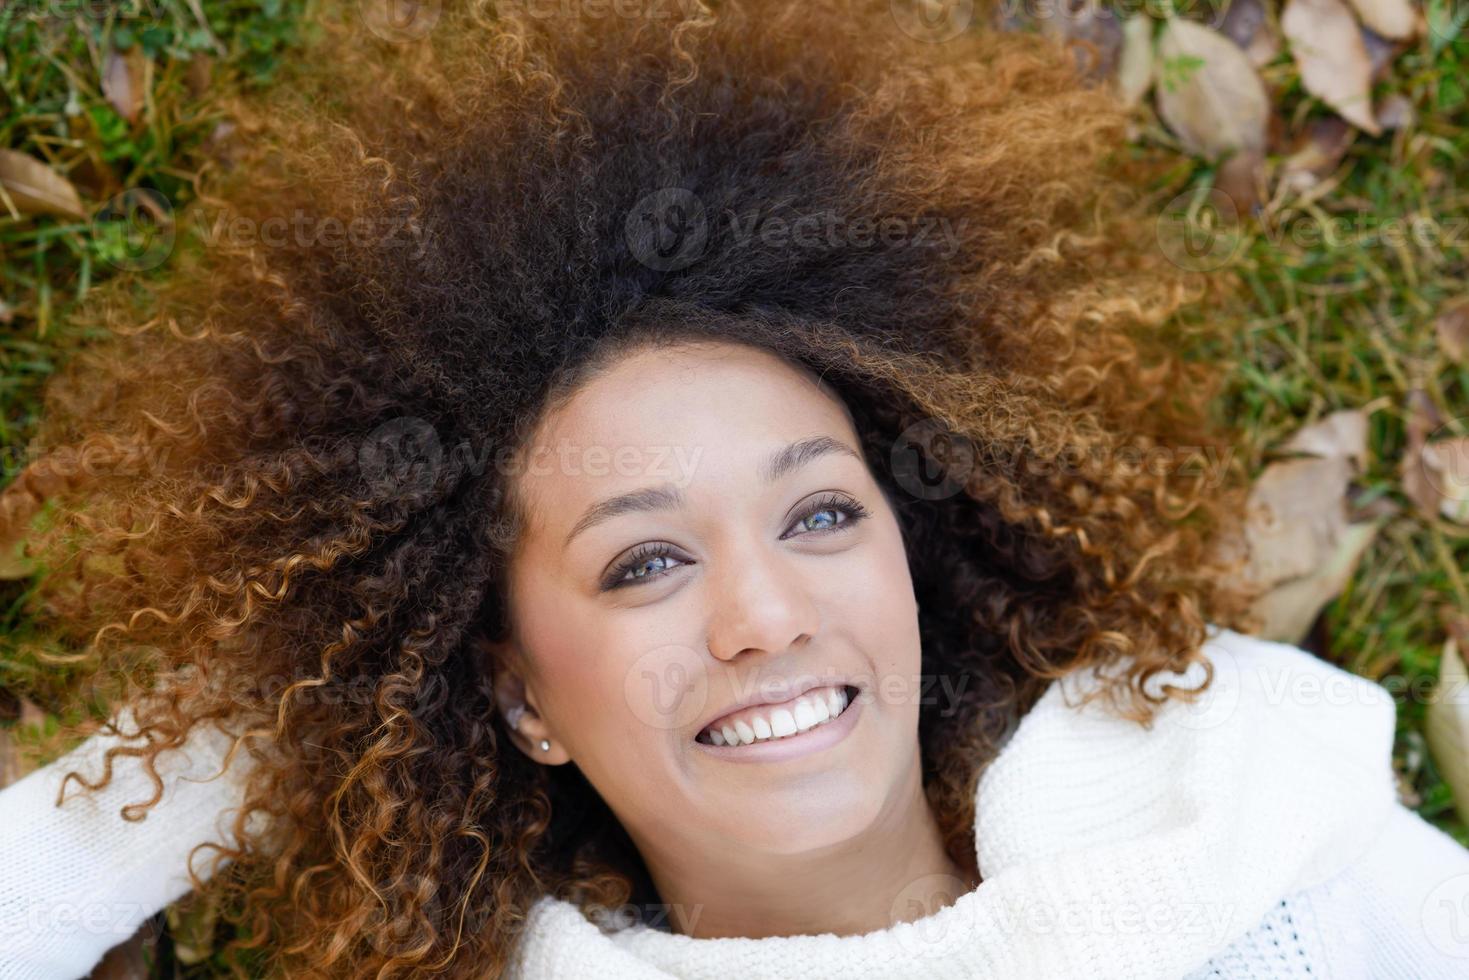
{"x":1341,"y":433}
{"x":1452,"y":327}
{"x":1300,"y":545}
{"x":1249,"y":24}
{"x":1381,"y":53}
{"x":124,"y":81}
{"x":1446,"y":724}
{"x":1396,"y":112}
{"x":1208,"y":93}
{"x":35,"y":188}
{"x":1395,"y":19}
{"x":1446,"y":466}
{"x":1422,"y":418}
{"x":1318,"y":153}
{"x":1135,"y":61}
{"x":1328,"y":48}
{"x":1288,"y":610}
{"x":1296,"y":515}
{"x":1242,"y":178}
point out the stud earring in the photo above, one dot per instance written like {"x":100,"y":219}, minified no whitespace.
{"x":545,"y":745}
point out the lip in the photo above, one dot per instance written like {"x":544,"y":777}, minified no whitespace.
{"x":789,"y":693}
{"x":805,"y":743}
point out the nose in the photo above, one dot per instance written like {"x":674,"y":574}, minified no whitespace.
{"x":760,"y":602}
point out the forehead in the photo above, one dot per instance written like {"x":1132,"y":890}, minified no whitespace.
{"x":722,"y":406}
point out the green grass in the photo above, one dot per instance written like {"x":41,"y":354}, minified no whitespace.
{"x":1346,"y":321}
{"x":1326,"y":325}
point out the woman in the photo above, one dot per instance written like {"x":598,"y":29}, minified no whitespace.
{"x":715,"y":503}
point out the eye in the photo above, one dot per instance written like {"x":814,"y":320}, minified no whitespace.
{"x":837,"y":513}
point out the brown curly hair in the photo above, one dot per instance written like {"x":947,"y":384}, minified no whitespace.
{"x":228,"y":541}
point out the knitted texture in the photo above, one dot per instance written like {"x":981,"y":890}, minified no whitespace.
{"x":1253,"y":833}
{"x":77,"y":880}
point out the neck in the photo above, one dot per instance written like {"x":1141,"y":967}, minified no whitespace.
{"x":897,"y":871}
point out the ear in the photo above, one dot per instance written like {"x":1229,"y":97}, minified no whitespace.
{"x":513,"y":692}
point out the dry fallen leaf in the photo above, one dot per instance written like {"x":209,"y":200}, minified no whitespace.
{"x":1446,"y":724}
{"x":124,"y":81}
{"x":1296,"y":513}
{"x":1446,"y":466}
{"x":1287,"y":611}
{"x":1242,"y":179}
{"x":1391,"y":18}
{"x":1318,"y":153}
{"x":34,"y":188}
{"x":1396,"y":112}
{"x":1327,"y":46}
{"x":1208,"y":93}
{"x":1135,"y":62}
{"x":1381,"y":52}
{"x":1452,"y":327}
{"x":1341,"y":433}
{"x":1301,"y":547}
{"x":1249,"y":24}
{"x":1435,"y":473}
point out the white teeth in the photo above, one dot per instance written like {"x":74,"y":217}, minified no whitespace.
{"x":808,"y":711}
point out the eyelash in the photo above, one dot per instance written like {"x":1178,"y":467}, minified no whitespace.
{"x":846,"y":505}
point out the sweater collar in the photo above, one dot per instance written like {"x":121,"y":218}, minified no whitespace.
{"x":1103,"y":846}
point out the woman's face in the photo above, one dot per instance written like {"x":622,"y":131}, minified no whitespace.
{"x":703,"y":534}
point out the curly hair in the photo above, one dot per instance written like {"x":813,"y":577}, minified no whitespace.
{"x":482,"y":218}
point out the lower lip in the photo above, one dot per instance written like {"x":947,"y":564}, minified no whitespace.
{"x":792,"y":746}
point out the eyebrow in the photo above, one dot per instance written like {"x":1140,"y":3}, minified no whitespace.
{"x":784,"y":460}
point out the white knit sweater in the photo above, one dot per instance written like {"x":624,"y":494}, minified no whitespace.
{"x":1254,"y":834}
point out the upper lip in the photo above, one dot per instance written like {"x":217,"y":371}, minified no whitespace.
{"x":783,"y":691}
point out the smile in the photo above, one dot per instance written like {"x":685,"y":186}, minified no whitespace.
{"x":770,"y":732}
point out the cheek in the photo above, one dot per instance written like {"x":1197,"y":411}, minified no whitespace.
{"x":623,"y":692}
{"x":876,"y":592}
